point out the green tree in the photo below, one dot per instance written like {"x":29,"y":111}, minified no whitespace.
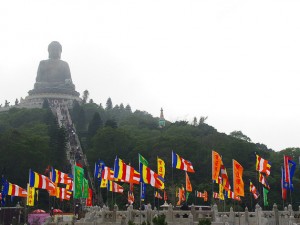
{"x":94,"y":125}
{"x":85,"y":96}
{"x":109,"y":104}
{"x":239,"y":134}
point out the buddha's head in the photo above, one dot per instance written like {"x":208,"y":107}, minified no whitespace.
{"x":54,"y":49}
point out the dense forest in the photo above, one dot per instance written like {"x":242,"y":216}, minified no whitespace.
{"x":31,"y":138}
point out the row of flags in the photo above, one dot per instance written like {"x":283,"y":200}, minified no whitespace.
{"x":64,"y":186}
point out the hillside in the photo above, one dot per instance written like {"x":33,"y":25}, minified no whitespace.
{"x":34,"y":136}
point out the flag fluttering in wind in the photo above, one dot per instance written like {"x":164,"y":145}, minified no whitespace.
{"x":181,"y":195}
{"x":263,"y":180}
{"x":284,"y":185}
{"x":13,"y":190}
{"x":157,"y":195}
{"x":289,"y":171}
{"x":254,"y":191}
{"x":114,"y":187}
{"x":221,"y":192}
{"x":203,"y":195}
{"x":143,"y":191}
{"x":263,"y":166}
{"x":63,"y":193}
{"x":125,"y":173}
{"x":103,"y":183}
{"x":225,"y":178}
{"x":216,"y":195}
{"x":238,"y":183}
{"x":181,"y":163}
{"x":148,"y":176}
{"x":265,"y":193}
{"x":59,"y":177}
{"x":216,"y":165}
{"x":188,"y":185}
{"x":130,"y":197}
{"x":42,"y":182}
{"x":85,"y":188}
{"x":108,"y":174}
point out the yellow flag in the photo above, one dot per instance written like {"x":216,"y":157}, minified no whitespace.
{"x":30,"y":195}
{"x":103,"y":183}
{"x":188,"y":185}
{"x":161,"y":170}
{"x":221,"y":192}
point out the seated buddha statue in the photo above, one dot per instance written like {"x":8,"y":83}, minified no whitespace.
{"x":53,"y":75}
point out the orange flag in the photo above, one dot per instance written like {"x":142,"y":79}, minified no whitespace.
{"x":188,"y":185}
{"x":238,"y":183}
{"x":216,"y":165}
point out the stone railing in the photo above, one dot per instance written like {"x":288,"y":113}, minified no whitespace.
{"x":105,"y":216}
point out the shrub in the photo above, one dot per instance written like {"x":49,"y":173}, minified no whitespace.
{"x":159,"y":220}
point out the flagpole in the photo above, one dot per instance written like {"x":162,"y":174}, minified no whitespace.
{"x":291,"y":196}
{"x":154,"y":199}
{"x":140,"y":202}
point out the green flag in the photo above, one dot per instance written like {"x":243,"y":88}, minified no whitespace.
{"x":78,"y":182}
{"x":85,"y":189}
{"x":143,"y":160}
{"x":265,"y":192}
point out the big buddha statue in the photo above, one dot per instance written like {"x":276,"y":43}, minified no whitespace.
{"x":53,"y":75}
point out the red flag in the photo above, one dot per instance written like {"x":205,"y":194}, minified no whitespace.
{"x":89,"y":200}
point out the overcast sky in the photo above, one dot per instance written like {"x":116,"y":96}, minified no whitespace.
{"x":237,"y":62}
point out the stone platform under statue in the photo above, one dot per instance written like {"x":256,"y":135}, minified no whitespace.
{"x":53,"y":81}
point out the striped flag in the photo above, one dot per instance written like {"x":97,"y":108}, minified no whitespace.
{"x":42,"y":182}
{"x":125,"y":173}
{"x":254,"y":191}
{"x":181,"y":163}
{"x":262,"y":165}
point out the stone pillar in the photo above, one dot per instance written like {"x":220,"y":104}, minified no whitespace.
{"x":114,"y":216}
{"x":291,"y":212}
{"x":149,"y":213}
{"x":231,"y":216}
{"x":246,"y":216}
{"x":130,"y":212}
{"x":169,"y":215}
{"x":258,"y":214}
{"x":191,"y":219}
{"x":276,"y":214}
{"x":123,"y":220}
{"x":214,"y":213}
{"x":193,"y":211}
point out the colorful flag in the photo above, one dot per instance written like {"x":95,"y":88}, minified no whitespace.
{"x":30,"y":195}
{"x":188,"y":185}
{"x":216,"y":165}
{"x":78,"y":182}
{"x":238,"y":183}
{"x":108,"y":174}
{"x":265,"y":192}
{"x":103,"y":183}
{"x":284,"y":185}
{"x":161,"y":168}
{"x":130,"y":197}
{"x":263,"y":180}
{"x":181,"y":195}
{"x":89,"y":200}
{"x":63,"y":193}
{"x":181,"y":163}
{"x":216,"y":195}
{"x":59,"y":177}
{"x":13,"y":190}
{"x":99,"y":166}
{"x":262,"y":165}
{"x":225,"y":178}
{"x":125,"y":173}
{"x":148,"y":176}
{"x":202,"y":195}
{"x":165,"y":196}
{"x":221,"y":192}
{"x":253,"y":190}
{"x":157,"y":195}
{"x":114,"y":187}
{"x":40,"y":181}
{"x":292,"y":171}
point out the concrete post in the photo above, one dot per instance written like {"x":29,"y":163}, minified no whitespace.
{"x":231,"y":216}
{"x":246,"y":216}
{"x":191,"y":219}
{"x":276,"y":214}
{"x":193,"y":211}
{"x":214,"y":213}
{"x":169,"y":216}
